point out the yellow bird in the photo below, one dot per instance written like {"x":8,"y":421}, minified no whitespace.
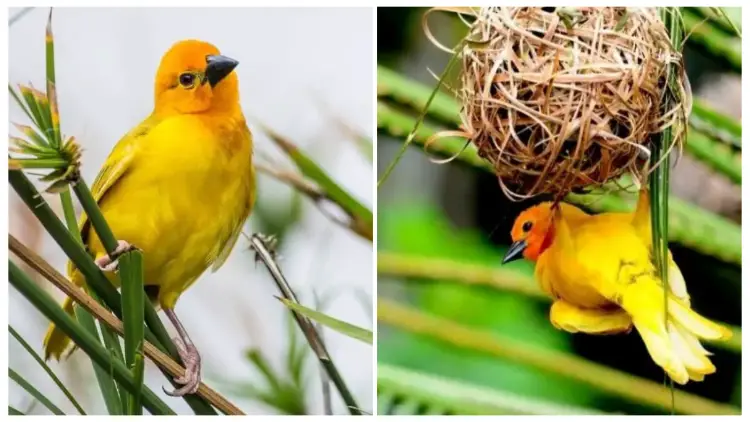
{"x":599,"y":272}
{"x":178,"y":186}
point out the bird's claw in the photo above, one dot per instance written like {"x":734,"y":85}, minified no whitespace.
{"x":191,"y":380}
{"x":109,"y":262}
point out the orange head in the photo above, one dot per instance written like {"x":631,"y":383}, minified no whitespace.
{"x":194,"y":78}
{"x":532,"y":233}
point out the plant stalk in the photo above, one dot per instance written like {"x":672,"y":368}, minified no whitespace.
{"x":110,"y":393}
{"x":260,"y":244}
{"x":131,"y":276}
{"x":423,"y":114}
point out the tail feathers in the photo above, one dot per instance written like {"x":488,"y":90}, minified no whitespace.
{"x":690,"y":351}
{"x":659,"y":346}
{"x":674,"y":346}
{"x":677,"y":282}
{"x":696,"y":324}
{"x":56,"y":342}
{"x":676,"y":351}
{"x":641,"y":221}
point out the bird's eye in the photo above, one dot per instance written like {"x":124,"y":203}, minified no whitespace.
{"x":187,"y":80}
{"x":526,"y":226}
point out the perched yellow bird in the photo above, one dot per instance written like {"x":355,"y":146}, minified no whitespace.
{"x":599,"y":272}
{"x":178,"y":186}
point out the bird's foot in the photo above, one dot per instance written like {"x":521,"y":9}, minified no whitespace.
{"x":109,"y":262}
{"x":191,"y":380}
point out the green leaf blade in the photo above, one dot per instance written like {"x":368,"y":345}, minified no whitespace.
{"x":342,"y":327}
{"x":362,"y":216}
{"x":21,"y":381}
{"x":33,"y":111}
{"x":131,"y":277}
{"x":107,"y":384}
{"x":53,"y":110}
{"x":30,"y":350}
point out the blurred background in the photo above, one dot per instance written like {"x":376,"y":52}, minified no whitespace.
{"x":305,"y":73}
{"x":441,"y":228}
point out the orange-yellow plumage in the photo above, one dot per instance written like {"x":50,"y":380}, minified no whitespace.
{"x":599,"y":271}
{"x":180,"y":185}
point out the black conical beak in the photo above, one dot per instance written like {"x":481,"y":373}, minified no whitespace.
{"x":515,"y":251}
{"x":218,"y":67}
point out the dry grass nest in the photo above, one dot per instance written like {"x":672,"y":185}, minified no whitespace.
{"x":558,"y":99}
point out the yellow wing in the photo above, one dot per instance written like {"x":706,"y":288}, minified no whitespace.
{"x":641,"y":220}
{"x":585,"y":253}
{"x":226,"y":247}
{"x":115,"y":166}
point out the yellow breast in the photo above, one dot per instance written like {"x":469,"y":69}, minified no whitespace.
{"x":562,"y":275}
{"x":559,"y":281}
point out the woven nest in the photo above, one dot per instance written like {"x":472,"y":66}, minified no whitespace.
{"x":558,"y":99}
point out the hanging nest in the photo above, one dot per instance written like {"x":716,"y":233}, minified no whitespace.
{"x":558,"y":99}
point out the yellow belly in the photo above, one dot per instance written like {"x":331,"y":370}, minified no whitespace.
{"x":571,"y":286}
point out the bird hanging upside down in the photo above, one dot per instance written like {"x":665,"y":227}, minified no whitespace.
{"x":599,"y":271}
{"x":178,"y":186}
